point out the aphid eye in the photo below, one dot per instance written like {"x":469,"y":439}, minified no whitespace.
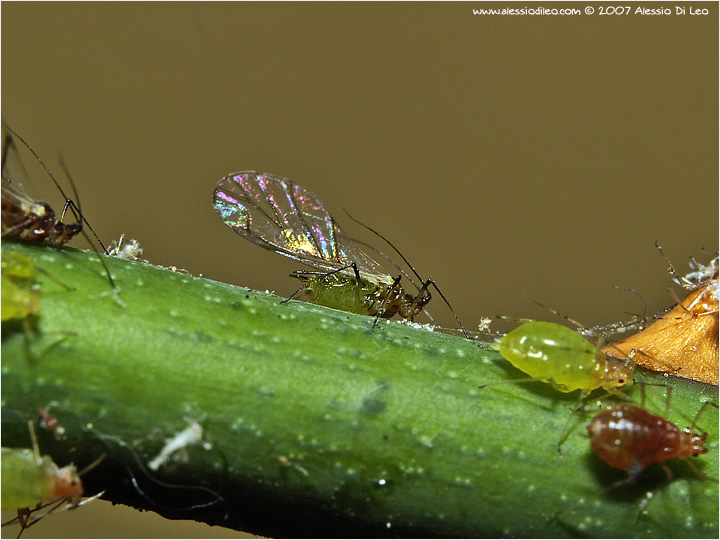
{"x":621,"y":381}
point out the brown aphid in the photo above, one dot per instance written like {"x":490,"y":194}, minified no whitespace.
{"x":31,"y":220}
{"x":630,"y":438}
{"x":684,"y":340}
{"x":35,"y":221}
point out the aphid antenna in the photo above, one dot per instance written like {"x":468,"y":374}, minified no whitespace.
{"x":551,"y":310}
{"x":645,"y":304}
{"x":92,"y":465}
{"x":670,"y":268}
{"x":42,"y":163}
{"x":700,"y":272}
{"x":611,"y":329}
{"x":8,"y":145}
{"x":69,"y":203}
{"x":629,"y":359}
{"x":33,"y":439}
{"x":410,"y":266}
{"x":426,"y":283}
{"x":704,"y":406}
{"x":389,"y":260}
{"x":514,"y":319}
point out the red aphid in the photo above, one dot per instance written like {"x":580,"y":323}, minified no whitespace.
{"x":630,"y":438}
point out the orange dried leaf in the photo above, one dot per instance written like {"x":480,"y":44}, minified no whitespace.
{"x":684,"y":341}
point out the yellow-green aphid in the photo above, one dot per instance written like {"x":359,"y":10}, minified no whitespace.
{"x":20,"y":295}
{"x":555,"y":354}
{"x":29,"y":479}
{"x":365,"y":297}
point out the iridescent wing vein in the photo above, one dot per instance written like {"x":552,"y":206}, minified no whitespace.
{"x":284,"y":217}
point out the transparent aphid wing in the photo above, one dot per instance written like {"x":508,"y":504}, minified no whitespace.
{"x":352,"y":253}
{"x":17,"y":206}
{"x":282,"y":216}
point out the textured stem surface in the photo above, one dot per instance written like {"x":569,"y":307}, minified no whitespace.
{"x":312,"y":421}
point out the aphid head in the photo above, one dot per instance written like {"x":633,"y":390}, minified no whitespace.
{"x":617,"y":374}
{"x":694,"y":445}
{"x":68,"y":483}
{"x":66,"y":231}
{"x":419,"y":302}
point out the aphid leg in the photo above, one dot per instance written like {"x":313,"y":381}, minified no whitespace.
{"x":511,"y":381}
{"x":56,"y":280}
{"x":284,"y":462}
{"x":578,"y":405}
{"x":644,"y":504}
{"x":29,"y":333}
{"x":668,"y":394}
{"x":293,"y":294}
{"x":75,"y":208}
{"x":390,"y":290}
{"x":425,"y":283}
{"x":667,"y":471}
{"x":419,"y":295}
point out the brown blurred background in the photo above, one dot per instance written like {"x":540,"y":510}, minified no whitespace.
{"x":504,"y":155}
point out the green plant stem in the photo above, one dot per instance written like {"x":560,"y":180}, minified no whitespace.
{"x":316,"y":422}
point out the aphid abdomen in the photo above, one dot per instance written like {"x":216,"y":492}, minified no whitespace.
{"x":340,"y":291}
{"x":27,"y":480}
{"x":630,"y":438}
{"x":554,"y":353}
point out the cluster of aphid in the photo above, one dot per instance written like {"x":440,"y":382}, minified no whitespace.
{"x":625,"y":436}
{"x":286,"y":218}
{"x":32,"y":483}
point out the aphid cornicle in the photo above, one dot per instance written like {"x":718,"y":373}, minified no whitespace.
{"x":284,"y":217}
{"x":555,"y":354}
